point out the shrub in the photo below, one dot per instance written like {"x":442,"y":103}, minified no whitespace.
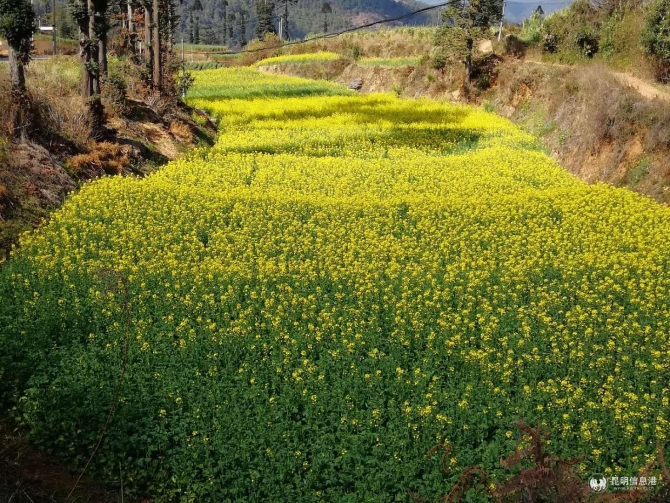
{"x":532,"y":29}
{"x":655,"y":38}
{"x":355,"y":52}
{"x":551,"y":42}
{"x":573,"y":30}
{"x":115,"y":93}
{"x":439,"y":62}
{"x":587,"y":42}
{"x":515,"y":46}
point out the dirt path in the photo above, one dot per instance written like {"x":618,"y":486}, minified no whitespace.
{"x":644,"y":88}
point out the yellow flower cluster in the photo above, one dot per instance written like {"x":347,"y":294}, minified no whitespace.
{"x":368,"y":268}
{"x":299,"y":59}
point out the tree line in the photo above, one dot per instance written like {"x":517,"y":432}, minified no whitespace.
{"x":233,"y":22}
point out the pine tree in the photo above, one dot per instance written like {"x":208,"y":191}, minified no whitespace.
{"x":242,"y":27}
{"x":196,"y":31}
{"x":224,"y":19}
{"x":231,"y":22}
{"x":196,"y":7}
{"x":264,"y":14}
{"x":326,"y":9}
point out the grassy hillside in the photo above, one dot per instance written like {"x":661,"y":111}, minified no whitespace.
{"x":340,"y":284}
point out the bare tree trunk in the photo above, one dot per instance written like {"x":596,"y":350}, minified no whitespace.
{"x":85,"y":55}
{"x":156,"y":47}
{"x":19,"y":93}
{"x":130,"y":16}
{"x":147,"y":32}
{"x":102,"y":48}
{"x":16,"y":72}
{"x":132,"y":40}
{"x":95,"y":52}
{"x":171,"y":26}
{"x":53,"y":25}
{"x":93,"y":70}
{"x":468,"y":61}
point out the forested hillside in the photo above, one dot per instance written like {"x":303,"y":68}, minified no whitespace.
{"x":234,"y":22}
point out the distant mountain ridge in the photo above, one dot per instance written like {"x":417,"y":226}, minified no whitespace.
{"x":305,"y":17}
{"x":517,"y":11}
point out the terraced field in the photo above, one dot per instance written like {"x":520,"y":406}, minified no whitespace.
{"x":340,"y":284}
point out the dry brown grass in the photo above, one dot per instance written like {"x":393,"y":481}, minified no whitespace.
{"x":55,"y":94}
{"x":65,"y":116}
{"x":597,"y":127}
{"x":264,"y":49}
{"x":102,"y":158}
{"x":384,"y":43}
{"x":181,"y":131}
{"x":5,"y":107}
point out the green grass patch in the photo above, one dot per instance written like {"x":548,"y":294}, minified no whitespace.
{"x":299,"y":59}
{"x":389,"y":62}
{"x":247,"y":83}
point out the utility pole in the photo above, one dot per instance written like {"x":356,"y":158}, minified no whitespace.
{"x":501,"y":20}
{"x":281,"y":27}
{"x":183,"y":70}
{"x":53,"y":23}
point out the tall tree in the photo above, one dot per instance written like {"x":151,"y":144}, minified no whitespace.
{"x":89,"y":15}
{"x":147,"y":5}
{"x":102,"y":27}
{"x":224,"y":20}
{"x":283,"y":8}
{"x":466,"y":20}
{"x":264,"y":13}
{"x":231,"y":24}
{"x":242,"y":27}
{"x":17,"y":25}
{"x":156,"y":45}
{"x":326,"y":9}
{"x":195,"y":10}
{"x":196,"y":31}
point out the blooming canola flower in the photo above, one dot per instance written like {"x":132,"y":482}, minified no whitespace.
{"x":343,"y":280}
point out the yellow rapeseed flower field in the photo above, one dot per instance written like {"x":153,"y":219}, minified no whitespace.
{"x":299,"y":59}
{"x":339,"y":284}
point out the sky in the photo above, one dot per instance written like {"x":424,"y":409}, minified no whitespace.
{"x":517,"y":10}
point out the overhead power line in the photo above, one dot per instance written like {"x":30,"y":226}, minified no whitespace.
{"x":535,"y":4}
{"x":342,"y":32}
